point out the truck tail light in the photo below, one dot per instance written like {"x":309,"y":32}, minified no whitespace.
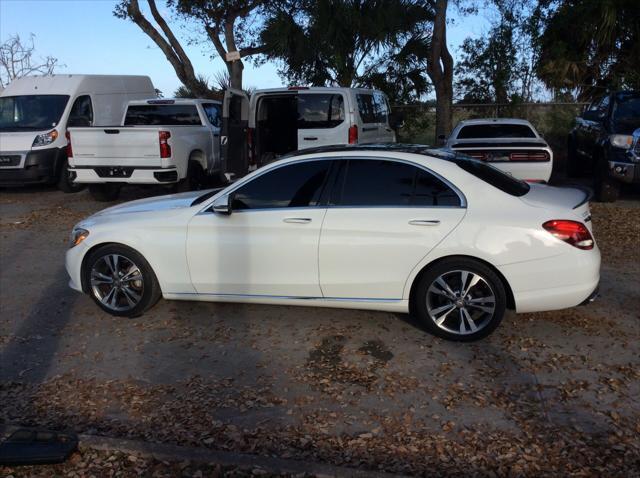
{"x":165,"y":148}
{"x":571,"y":232}
{"x":69,"y":149}
{"x":353,"y":135}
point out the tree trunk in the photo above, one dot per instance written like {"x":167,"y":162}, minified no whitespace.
{"x":235,"y":69}
{"x":440,"y":70}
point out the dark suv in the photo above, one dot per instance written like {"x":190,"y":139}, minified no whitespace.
{"x":605,"y":142}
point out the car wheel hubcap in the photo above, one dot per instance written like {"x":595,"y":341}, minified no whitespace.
{"x":116,"y":281}
{"x":460,"y":302}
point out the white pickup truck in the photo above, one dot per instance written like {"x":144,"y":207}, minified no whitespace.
{"x":161,"y":141}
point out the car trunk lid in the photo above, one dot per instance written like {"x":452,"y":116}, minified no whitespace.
{"x":573,"y":199}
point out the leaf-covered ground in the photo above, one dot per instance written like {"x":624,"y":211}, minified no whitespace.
{"x":548,"y":394}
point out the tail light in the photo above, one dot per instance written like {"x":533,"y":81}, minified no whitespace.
{"x":69,"y":149}
{"x":571,"y":232}
{"x":353,"y":135}
{"x":529,"y":156}
{"x":165,"y":148}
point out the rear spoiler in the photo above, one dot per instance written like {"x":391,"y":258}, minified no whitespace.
{"x":588,"y":195}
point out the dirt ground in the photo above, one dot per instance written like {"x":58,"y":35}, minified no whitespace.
{"x":548,"y":394}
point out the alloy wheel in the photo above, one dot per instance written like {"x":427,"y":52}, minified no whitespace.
{"x":117,"y":282}
{"x":461,"y":302}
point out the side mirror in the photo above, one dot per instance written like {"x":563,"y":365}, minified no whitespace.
{"x":593,"y":115}
{"x":442,"y":139}
{"x":222,"y":205}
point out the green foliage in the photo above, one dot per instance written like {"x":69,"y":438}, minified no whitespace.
{"x":588,"y":45}
{"x":496,"y":66}
{"x":345,"y":42}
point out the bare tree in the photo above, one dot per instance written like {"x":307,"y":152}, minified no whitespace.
{"x":228,"y":24}
{"x":17,"y":59}
{"x":440,"y":70}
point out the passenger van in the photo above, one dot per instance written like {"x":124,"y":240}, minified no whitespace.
{"x":35,"y":112}
{"x":258,"y":129}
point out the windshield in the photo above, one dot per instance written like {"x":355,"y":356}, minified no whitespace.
{"x":627,"y":107}
{"x":31,"y":112}
{"x":493,"y":176}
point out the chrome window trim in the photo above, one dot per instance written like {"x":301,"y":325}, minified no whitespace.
{"x":459,"y":193}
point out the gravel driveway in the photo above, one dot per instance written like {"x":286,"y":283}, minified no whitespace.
{"x":548,"y":394}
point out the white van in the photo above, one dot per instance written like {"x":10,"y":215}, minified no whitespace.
{"x":35,"y":112}
{"x":258,"y":129}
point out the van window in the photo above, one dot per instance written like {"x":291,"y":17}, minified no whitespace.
{"x":31,"y":112}
{"x":320,"y":111}
{"x":163,"y":115}
{"x":381,"y":107}
{"x":383,"y":183}
{"x":81,"y":112}
{"x":292,"y":185}
{"x":214,"y":113}
{"x":366,"y":107}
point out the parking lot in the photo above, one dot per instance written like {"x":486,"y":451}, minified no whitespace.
{"x":547,"y":394}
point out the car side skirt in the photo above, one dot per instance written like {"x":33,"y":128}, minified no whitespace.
{"x":385,"y":305}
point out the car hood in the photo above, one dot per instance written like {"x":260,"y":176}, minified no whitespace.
{"x":159,"y":203}
{"x":17,"y":141}
{"x":626,"y":125}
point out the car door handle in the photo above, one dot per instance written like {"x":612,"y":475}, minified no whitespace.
{"x":297,"y":220}
{"x":310,"y":138}
{"x":424,"y":222}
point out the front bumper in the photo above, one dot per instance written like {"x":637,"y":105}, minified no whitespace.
{"x":625,"y":172}
{"x":38,"y":167}
{"x":125,"y":174}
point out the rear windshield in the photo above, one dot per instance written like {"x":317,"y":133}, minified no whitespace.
{"x":477,"y":131}
{"x":320,"y":110}
{"x":164,"y":115}
{"x":493,"y":176}
{"x":372,"y":107}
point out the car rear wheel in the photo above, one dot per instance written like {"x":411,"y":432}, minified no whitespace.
{"x":120,"y":281}
{"x":460,"y":299}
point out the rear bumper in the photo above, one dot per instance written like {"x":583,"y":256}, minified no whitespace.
{"x":554,"y":283}
{"x":40,"y":166}
{"x":130,"y":175}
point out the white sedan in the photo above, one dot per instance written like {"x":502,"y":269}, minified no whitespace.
{"x":395,"y":228}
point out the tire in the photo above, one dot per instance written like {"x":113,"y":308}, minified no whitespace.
{"x":120,"y":281}
{"x":194,"y":181}
{"x":607,"y":189}
{"x":104,"y":192}
{"x":64,"y":183}
{"x":574,"y":169}
{"x":441,"y":311}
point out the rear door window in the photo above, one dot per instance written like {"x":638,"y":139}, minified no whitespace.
{"x":367,"y":108}
{"x":164,"y":115}
{"x":381,"y":107}
{"x":494,"y":130}
{"x":385,"y":183}
{"x":317,"y":111}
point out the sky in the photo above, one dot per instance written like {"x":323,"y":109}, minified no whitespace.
{"x":86,"y":38}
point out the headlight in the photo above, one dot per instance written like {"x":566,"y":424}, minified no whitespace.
{"x":45,"y":138}
{"x":623,"y":141}
{"x":78,"y":235}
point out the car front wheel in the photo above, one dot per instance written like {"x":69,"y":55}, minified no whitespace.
{"x":120,"y":281}
{"x":460,"y":299}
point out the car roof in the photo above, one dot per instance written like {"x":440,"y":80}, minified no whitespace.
{"x":421,"y":149}
{"x":172,"y":101}
{"x":495,"y":121}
